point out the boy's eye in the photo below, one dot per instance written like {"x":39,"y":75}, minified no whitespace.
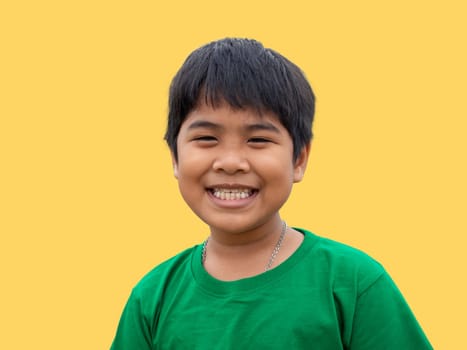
{"x":258,"y":140}
{"x":205,"y":138}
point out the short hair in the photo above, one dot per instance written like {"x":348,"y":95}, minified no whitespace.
{"x":243,"y":74}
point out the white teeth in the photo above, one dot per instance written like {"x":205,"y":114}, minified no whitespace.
{"x":231,"y":194}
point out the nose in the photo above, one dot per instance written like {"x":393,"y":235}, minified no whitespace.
{"x":231,"y":161}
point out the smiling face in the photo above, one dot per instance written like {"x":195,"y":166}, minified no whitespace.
{"x":235,"y":168}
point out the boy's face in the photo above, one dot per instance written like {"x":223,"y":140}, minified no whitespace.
{"x":235,"y":168}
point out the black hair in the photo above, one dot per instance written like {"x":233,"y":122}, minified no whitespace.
{"x":243,"y":74}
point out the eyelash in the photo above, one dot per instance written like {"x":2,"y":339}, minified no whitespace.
{"x":255,"y":140}
{"x":258,"y":140}
{"x":205,"y":138}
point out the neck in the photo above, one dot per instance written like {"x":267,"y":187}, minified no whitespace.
{"x":247,"y":256}
{"x":241,"y":235}
{"x":274,"y":253}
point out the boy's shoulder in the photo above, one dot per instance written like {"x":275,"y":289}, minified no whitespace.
{"x":342,"y":262}
{"x":340,"y":250}
{"x":337,"y":251}
{"x":165,"y":272}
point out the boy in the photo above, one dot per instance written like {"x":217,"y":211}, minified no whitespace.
{"x":239,"y":131}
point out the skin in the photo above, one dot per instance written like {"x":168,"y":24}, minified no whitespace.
{"x":230,"y":150}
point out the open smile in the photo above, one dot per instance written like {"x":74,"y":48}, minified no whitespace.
{"x":231,"y":193}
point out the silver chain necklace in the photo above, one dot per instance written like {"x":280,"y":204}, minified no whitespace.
{"x":273,"y":254}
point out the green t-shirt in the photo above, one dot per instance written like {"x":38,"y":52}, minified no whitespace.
{"x":325,"y":296}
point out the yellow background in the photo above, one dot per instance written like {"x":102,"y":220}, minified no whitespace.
{"x":88,"y":203}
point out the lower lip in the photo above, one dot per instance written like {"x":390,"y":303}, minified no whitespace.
{"x":232,"y":203}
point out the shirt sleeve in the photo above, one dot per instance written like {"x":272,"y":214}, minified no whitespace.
{"x":133,"y":332}
{"x":383,"y":320}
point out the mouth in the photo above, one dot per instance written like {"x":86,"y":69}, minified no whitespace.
{"x":232,"y":194}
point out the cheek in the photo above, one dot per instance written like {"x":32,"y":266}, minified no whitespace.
{"x":278,"y":166}
{"x":191,"y":166}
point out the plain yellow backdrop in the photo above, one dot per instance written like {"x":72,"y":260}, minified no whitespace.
{"x":88,"y":202}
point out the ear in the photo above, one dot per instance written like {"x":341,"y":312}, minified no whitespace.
{"x":301,"y":163}
{"x":174,"y":164}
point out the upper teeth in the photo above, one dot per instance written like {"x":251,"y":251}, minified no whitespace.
{"x":224,"y":193}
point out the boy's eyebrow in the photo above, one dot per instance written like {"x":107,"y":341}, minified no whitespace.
{"x":263,"y":126}
{"x":198,"y":124}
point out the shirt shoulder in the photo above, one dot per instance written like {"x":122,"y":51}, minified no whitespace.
{"x":160,"y":276}
{"x":344,"y":265}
